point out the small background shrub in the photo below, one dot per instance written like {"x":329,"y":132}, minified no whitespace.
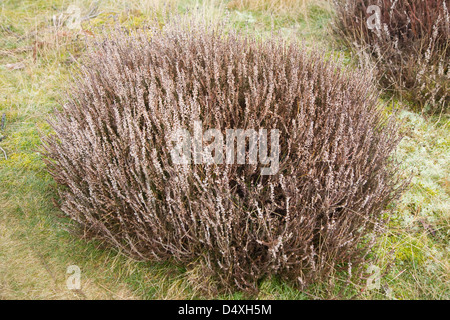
{"x":411,"y":49}
{"x":317,"y":215}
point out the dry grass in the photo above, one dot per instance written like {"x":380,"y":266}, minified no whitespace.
{"x":274,"y":6}
{"x":25,"y":273}
{"x":292,"y":11}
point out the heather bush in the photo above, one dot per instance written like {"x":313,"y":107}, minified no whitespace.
{"x":410,"y":45}
{"x":318,"y":214}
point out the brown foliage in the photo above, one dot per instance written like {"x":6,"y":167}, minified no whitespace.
{"x":318,"y":213}
{"x":411,"y":49}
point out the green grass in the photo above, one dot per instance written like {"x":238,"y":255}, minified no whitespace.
{"x":36,"y":246}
